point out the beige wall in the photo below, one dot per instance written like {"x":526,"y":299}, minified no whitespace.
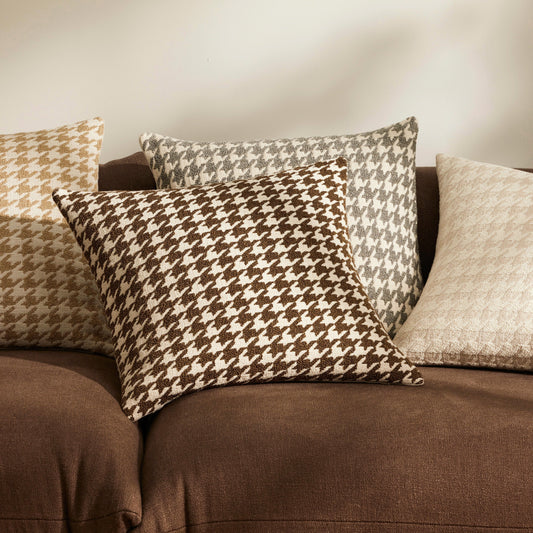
{"x":237,"y":69}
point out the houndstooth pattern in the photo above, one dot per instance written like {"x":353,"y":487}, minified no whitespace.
{"x":477,"y":306}
{"x":47,"y":293}
{"x":381,"y":196}
{"x":243,"y":282}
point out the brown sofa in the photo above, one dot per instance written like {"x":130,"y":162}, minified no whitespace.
{"x":452,"y":456}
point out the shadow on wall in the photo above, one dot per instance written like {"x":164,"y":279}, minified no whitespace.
{"x":337,"y":85}
{"x":468,"y":89}
{"x":498,"y":127}
{"x":506,"y":137}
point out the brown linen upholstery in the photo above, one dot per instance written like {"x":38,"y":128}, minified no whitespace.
{"x":454,"y":455}
{"x":130,"y":173}
{"x":69,"y":458}
{"x":427,"y":202}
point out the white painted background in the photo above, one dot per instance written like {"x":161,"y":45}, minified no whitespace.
{"x":241,"y":69}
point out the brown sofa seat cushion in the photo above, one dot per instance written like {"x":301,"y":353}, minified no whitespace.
{"x":69,"y":458}
{"x":454,"y":455}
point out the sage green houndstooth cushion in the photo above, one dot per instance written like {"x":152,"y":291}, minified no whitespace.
{"x":381,"y":196}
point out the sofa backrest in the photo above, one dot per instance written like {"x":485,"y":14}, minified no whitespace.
{"x":132,"y":173}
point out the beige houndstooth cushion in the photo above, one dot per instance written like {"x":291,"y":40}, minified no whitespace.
{"x":477,"y":306}
{"x":47,"y":294}
{"x":247,"y":281}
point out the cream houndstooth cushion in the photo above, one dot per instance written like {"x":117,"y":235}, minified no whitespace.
{"x":477,"y":306}
{"x":381,"y":195}
{"x":47,"y":294}
{"x":242,"y":282}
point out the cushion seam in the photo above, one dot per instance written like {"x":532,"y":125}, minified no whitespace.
{"x":120,"y":511}
{"x":318,"y":521}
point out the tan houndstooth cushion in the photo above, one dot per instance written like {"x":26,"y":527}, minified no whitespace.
{"x":47,"y":294}
{"x":477,"y":306}
{"x":241,"y":282}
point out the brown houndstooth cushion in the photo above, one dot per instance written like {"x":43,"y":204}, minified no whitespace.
{"x":241,"y":282}
{"x":47,"y":293}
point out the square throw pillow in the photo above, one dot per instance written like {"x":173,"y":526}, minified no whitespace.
{"x":381,"y":196}
{"x":477,"y":306}
{"x":247,"y":281}
{"x":47,"y":293}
